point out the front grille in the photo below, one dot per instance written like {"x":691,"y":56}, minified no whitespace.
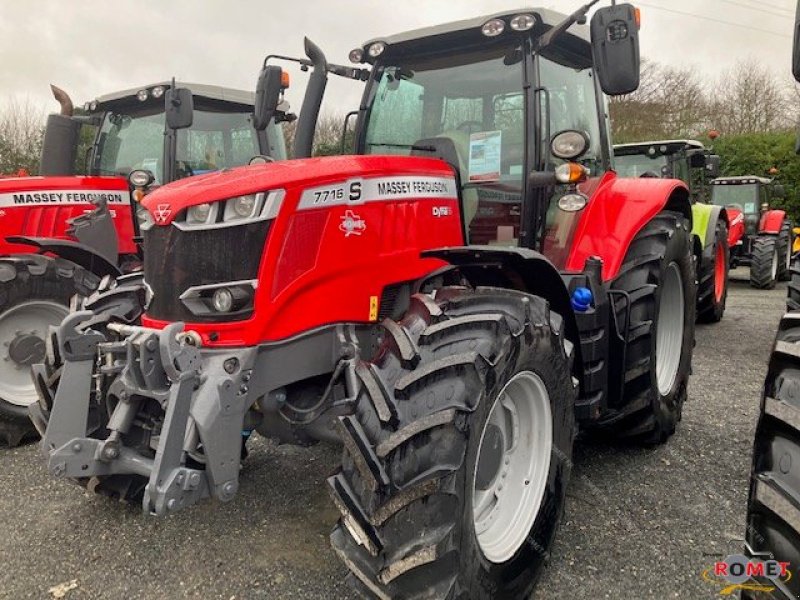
{"x":175,"y":260}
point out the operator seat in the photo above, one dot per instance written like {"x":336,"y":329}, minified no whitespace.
{"x":453,"y":147}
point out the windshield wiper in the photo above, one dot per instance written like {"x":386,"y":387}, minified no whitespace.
{"x":557,"y":30}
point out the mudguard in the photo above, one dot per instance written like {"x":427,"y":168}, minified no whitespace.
{"x":617,"y":212}
{"x":771,"y":221}
{"x":735,"y":226}
{"x":704,"y":221}
{"x":515,"y":268}
{"x":75,"y":252}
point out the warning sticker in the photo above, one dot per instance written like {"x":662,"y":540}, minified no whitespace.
{"x":40,"y":197}
{"x":485,"y":148}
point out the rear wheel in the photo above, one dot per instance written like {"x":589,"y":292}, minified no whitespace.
{"x":456,"y":461}
{"x":793,"y":292}
{"x":658,"y":277}
{"x":773,"y":512}
{"x":35,"y":292}
{"x":764,"y":262}
{"x":712,"y":288}
{"x":784,"y":246}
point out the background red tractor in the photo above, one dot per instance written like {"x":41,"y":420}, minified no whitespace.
{"x":759,"y":236}
{"x":346,"y":299}
{"x":78,"y":244}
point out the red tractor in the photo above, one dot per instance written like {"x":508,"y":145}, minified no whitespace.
{"x":345,"y":299}
{"x":79,"y":244}
{"x":758,"y":236}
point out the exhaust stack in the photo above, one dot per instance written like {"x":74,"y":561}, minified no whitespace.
{"x":67,"y":108}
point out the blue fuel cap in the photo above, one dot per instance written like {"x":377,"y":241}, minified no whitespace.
{"x":582,"y":299}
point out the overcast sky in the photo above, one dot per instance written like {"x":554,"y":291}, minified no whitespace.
{"x":92,"y":47}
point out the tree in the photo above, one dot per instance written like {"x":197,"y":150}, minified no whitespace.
{"x":21,"y":134}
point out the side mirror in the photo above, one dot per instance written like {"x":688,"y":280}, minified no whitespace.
{"x":713,"y":165}
{"x":60,"y":146}
{"x":615,"y":48}
{"x":179,"y":107}
{"x":268,"y":94}
{"x":778,"y":191}
{"x":697,"y":160}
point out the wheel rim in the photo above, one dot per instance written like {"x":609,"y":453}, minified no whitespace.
{"x":774,"y":271}
{"x":513,"y":466}
{"x":669,"y":329}
{"x":22,"y":333}
{"x":719,"y":272}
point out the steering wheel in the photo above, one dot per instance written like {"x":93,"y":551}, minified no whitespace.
{"x":260,"y":159}
{"x":469,"y":126}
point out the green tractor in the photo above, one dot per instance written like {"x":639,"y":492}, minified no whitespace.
{"x":695,"y":165}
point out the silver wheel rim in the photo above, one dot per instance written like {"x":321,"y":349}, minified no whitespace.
{"x":512,"y":467}
{"x":23,"y":329}
{"x":669,"y":329}
{"x":774,"y":271}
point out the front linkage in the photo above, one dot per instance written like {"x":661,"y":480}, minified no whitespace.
{"x":177,"y":414}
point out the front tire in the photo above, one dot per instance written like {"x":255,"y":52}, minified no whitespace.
{"x":764,"y":263}
{"x":428,"y":460}
{"x":784,"y":245}
{"x":35,"y":293}
{"x":712,"y":288}
{"x":658,"y":276}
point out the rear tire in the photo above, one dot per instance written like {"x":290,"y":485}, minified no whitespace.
{"x":414,"y":462}
{"x":712,"y":288}
{"x":764,"y":263}
{"x":658,"y":273}
{"x":35,"y":293}
{"x":773,"y":510}
{"x":784,"y":245}
{"x":793,"y":291}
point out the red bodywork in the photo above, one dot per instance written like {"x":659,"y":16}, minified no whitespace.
{"x":771,"y":221}
{"x":41,"y":207}
{"x":736,"y":225}
{"x":326,"y":264}
{"x":618,"y":209}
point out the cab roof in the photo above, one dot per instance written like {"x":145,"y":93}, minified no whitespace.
{"x":199,"y":90}
{"x":672,"y":146}
{"x":467,"y":32}
{"x":741,"y":179}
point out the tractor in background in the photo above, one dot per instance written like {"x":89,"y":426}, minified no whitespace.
{"x":695,"y":165}
{"x":759,"y":237}
{"x":450,"y":304}
{"x":61,"y":233}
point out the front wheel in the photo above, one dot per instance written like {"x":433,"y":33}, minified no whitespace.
{"x":456,"y":461}
{"x":35,"y":293}
{"x":764,"y":263}
{"x":712,"y":288}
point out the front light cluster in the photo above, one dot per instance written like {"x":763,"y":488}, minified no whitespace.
{"x":520,"y":23}
{"x":233,"y":211}
{"x":228,"y":298}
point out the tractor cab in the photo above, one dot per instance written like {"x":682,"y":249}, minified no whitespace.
{"x":129,"y":131}
{"x":687,"y":160}
{"x":748,"y":195}
{"x":506,"y":108}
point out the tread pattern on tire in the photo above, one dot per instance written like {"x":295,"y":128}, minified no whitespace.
{"x":399,"y":490}
{"x":764,"y":248}
{"x":709,"y":310}
{"x":784,"y":246}
{"x":641,"y":415}
{"x":773,"y":512}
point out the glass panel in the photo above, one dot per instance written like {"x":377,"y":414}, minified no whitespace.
{"x":215,"y":141}
{"x":131,"y":142}
{"x":636,"y":165}
{"x":742,"y":196}
{"x":476,"y":101}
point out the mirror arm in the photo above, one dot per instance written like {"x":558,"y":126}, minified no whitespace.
{"x":557,"y":30}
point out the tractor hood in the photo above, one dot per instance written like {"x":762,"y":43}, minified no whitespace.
{"x":168,"y":201}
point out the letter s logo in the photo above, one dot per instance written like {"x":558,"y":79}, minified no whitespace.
{"x":355,"y":191}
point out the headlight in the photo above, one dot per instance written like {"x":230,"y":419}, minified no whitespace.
{"x":222,"y":300}
{"x":523,"y":22}
{"x":200,"y":213}
{"x":493,"y":28}
{"x":376,"y":49}
{"x":356,"y":56}
{"x":241,"y":207}
{"x":140,"y":178}
{"x":141,"y":95}
{"x":157,"y":91}
{"x":569,"y":144}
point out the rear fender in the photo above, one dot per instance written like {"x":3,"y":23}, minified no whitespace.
{"x":771,"y":221}
{"x":618,"y":210}
{"x":518,"y":269}
{"x":704,"y":221}
{"x":75,"y":252}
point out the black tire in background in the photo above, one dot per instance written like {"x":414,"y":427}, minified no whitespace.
{"x":773,"y":510}
{"x":764,"y":262}
{"x":784,"y":245}
{"x":409,"y":470}
{"x":793,"y":291}
{"x":651,"y":406}
{"x":715,"y":263}
{"x":35,"y":291}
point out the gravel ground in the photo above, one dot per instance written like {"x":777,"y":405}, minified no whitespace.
{"x":639,"y":523}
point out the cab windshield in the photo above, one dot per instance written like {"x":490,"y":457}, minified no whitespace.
{"x":636,"y":165}
{"x":742,"y":196}
{"x":216,"y":140}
